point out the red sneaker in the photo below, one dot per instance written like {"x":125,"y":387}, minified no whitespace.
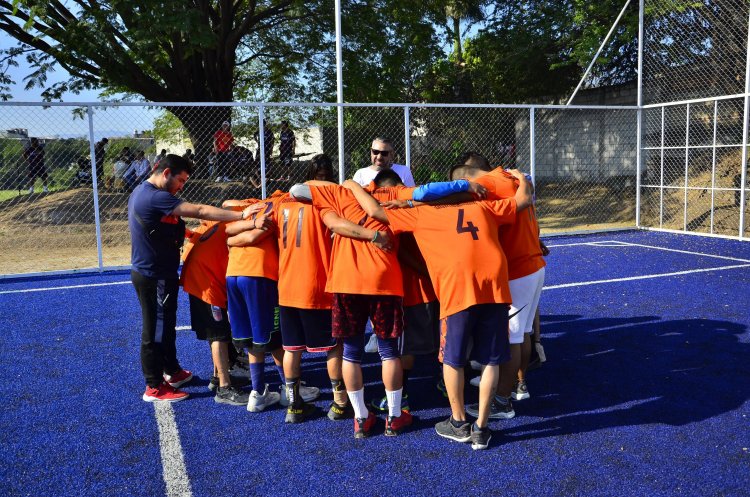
{"x":179,"y":378}
{"x":164,"y":393}
{"x":394,"y":426}
{"x":363,"y":427}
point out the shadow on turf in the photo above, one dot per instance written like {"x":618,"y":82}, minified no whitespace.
{"x":609,"y":372}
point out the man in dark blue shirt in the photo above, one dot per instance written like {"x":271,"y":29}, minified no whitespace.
{"x":157,"y":233}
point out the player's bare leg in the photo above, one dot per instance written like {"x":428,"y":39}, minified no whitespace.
{"x":220,"y":356}
{"x":487,"y":387}
{"x":525,"y":357}
{"x":454,"y":384}
{"x":509,"y":371}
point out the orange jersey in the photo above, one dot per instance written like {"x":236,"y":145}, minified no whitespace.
{"x":357,"y":267}
{"x":261,"y":260}
{"x":205,"y":264}
{"x":460,"y":245}
{"x":520,"y":240}
{"x":384,"y":193}
{"x":305,"y":247}
{"x":417,"y":286}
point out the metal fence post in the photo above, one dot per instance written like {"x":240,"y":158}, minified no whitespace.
{"x":687,"y":162}
{"x":262,"y":146}
{"x":407,"y":137}
{"x":340,"y":127}
{"x":639,"y":116}
{"x":95,"y":187}
{"x":743,"y":172}
{"x":532,"y":146}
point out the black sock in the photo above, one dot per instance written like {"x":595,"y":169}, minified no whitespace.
{"x":457,"y":424}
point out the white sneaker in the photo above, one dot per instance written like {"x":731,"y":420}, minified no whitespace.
{"x":45,"y":189}
{"x":218,"y":179}
{"x":540,"y":351}
{"x":475,"y":381}
{"x":476,"y":366}
{"x":31,"y":190}
{"x":308,"y":394}
{"x":372,"y":345}
{"x":259,"y":402}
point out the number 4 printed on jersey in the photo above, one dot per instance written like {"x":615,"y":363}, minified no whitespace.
{"x":469,"y":228}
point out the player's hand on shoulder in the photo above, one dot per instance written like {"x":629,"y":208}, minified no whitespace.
{"x":384,"y":241}
{"x":477,"y":190}
{"x":394,"y":204}
{"x":264,"y":223}
{"x":516,"y":173}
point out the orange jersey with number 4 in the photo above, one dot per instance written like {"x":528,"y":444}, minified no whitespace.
{"x":519,"y":240}
{"x":357,"y":267}
{"x":460,"y":246}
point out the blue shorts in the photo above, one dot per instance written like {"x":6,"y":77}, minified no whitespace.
{"x":306,"y":329}
{"x":253,"y":305}
{"x":483,"y":326}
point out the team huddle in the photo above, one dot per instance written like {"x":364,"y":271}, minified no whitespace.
{"x":452,"y":268}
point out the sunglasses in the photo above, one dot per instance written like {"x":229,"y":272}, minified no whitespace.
{"x":376,"y":152}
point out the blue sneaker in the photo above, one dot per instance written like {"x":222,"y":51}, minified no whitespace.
{"x":382,"y":404}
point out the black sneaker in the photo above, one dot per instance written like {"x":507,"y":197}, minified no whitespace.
{"x":232,"y":396}
{"x":297,"y":414}
{"x":447,"y":430}
{"x":235,"y":381}
{"x":497,"y":410}
{"x":520,"y":391}
{"x":338,"y":412}
{"x":480,"y":437}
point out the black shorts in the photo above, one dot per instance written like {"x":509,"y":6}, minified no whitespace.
{"x":209,"y":322}
{"x":421,"y":329}
{"x":306,"y":329}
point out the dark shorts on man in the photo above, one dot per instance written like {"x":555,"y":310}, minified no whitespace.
{"x":209,"y":322}
{"x":485,"y":326}
{"x":421,"y":329}
{"x":38,"y":172}
{"x":351,"y":311}
{"x":253,"y":305}
{"x":306,"y":329}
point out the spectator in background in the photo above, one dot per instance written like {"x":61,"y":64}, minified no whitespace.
{"x":381,"y":157}
{"x":121,"y":167}
{"x":245,"y":166}
{"x":99,"y":154}
{"x":287,"y":144}
{"x":159,"y":157}
{"x":223,"y":143}
{"x":189,"y":155}
{"x":34,"y":156}
{"x":139,"y":170}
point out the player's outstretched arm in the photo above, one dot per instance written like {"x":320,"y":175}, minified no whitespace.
{"x":344,"y":227}
{"x":248,"y":233}
{"x":210,"y":213}
{"x":523,"y":194}
{"x":441,"y":189}
{"x":371,"y":206}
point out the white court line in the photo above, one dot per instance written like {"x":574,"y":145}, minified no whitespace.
{"x":172,"y":458}
{"x":48,"y":289}
{"x":580,"y":244}
{"x":644,"y":277}
{"x":687,"y":252}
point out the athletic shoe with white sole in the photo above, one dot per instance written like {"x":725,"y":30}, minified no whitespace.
{"x":372,"y":344}
{"x":475,"y":365}
{"x":164,"y":393}
{"x":235,"y":381}
{"x":460,"y":433}
{"x":232,"y":396}
{"x":308,"y":394}
{"x":382,"y":404}
{"x":259,"y":402}
{"x":480,"y":437}
{"x":297,"y":414}
{"x":337,"y":412}
{"x":498,"y":410}
{"x":179,"y":378}
{"x":475,"y":381}
{"x":520,"y":391}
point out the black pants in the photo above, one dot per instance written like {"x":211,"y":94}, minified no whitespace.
{"x":158,"y":300}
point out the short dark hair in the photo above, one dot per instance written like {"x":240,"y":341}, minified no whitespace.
{"x":383,"y":139}
{"x":175,"y":163}
{"x":467,"y":162}
{"x":285,"y":123}
{"x":387,"y":177}
{"x":321,"y":162}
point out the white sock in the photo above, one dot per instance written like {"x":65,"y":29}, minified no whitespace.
{"x":394,"y":402}
{"x":357,"y":398}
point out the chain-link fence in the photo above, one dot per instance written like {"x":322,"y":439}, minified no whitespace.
{"x":67,"y":171}
{"x":694,"y":117}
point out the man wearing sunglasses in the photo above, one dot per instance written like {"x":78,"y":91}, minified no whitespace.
{"x":381,"y":157}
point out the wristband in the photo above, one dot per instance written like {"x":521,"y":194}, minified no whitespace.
{"x":374,"y":238}
{"x":410,"y":203}
{"x":242,"y":215}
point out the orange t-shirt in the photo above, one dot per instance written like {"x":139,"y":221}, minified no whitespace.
{"x":305,"y":247}
{"x":357,"y":267}
{"x":205,"y":264}
{"x":417,"y":286}
{"x":519,"y":240}
{"x":459,"y":243}
{"x":261,"y":260}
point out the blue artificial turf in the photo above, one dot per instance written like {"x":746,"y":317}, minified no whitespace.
{"x":645,"y":393}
